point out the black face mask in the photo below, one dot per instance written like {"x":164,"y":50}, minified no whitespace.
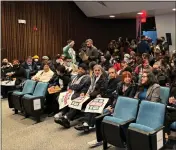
{"x":15,"y":66}
{"x":155,"y":71}
{"x":4,"y":63}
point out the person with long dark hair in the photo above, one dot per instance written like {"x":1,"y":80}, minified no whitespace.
{"x":148,"y":88}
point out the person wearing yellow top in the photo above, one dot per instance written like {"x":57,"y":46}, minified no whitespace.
{"x":44,"y":75}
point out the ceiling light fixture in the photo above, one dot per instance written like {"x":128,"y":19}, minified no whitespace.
{"x":139,"y":13}
{"x":112,"y":16}
{"x":174,"y":9}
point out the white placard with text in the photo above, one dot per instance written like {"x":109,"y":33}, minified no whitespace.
{"x":96,"y":105}
{"x":78,"y":102}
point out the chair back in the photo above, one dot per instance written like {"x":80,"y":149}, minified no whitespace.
{"x":164,"y":94}
{"x":151,"y":114}
{"x":126,"y":108}
{"x":29,"y":87}
{"x":40,"y":89}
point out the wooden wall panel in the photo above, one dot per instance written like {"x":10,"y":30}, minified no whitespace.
{"x":56,"y":23}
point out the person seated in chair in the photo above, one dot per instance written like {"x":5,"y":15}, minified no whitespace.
{"x":98,"y":86}
{"x":30,"y":65}
{"x":36,"y":61}
{"x":5,"y":68}
{"x":89,"y":119}
{"x":148,"y":88}
{"x":44,"y":75}
{"x":57,"y":84}
{"x":45,"y":59}
{"x":79,"y":85}
{"x":161,"y":77}
{"x":171,"y":114}
{"x":124,"y":88}
{"x":16,"y":74}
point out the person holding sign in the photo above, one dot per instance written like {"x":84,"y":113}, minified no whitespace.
{"x":108,"y":93}
{"x":57,"y":84}
{"x":79,"y":85}
{"x":98,"y":86}
{"x":123,"y":88}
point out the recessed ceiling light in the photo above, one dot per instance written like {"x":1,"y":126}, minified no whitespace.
{"x":139,"y":13}
{"x":174,"y":9}
{"x":112,"y":16}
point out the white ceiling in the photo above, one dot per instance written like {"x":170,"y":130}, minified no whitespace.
{"x":124,"y":9}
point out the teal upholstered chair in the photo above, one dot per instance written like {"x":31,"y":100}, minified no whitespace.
{"x":164,"y":94}
{"x":114,"y":127}
{"x":17,"y":95}
{"x":34,"y":104}
{"x":148,"y":129}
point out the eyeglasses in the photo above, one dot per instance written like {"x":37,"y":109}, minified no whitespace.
{"x":144,"y":76}
{"x":97,"y":70}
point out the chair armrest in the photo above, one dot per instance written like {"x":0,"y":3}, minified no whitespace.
{"x":158,"y":129}
{"x":102,"y":116}
{"x":146,"y":133}
{"x":128,"y":121}
{"x":142,"y":132}
{"x":38,"y":97}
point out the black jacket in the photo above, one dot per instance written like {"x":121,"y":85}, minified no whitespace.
{"x":143,"y":47}
{"x":100,"y":87}
{"x":55,"y":81}
{"x":82,"y":87}
{"x":19,"y":74}
{"x":111,"y":89}
{"x":130,"y":92}
{"x":4,"y":70}
{"x":33,"y":66}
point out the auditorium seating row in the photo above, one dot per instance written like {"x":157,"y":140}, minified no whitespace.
{"x":136,"y":125}
{"x":30,"y":100}
{"x":140,"y":128}
{"x":132,"y":122}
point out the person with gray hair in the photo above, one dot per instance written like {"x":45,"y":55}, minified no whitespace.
{"x":98,"y":86}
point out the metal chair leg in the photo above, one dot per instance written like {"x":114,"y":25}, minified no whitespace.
{"x":105,"y":145}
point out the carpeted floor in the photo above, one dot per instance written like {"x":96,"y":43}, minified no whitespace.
{"x":18,"y":134}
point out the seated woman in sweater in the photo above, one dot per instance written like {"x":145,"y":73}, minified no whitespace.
{"x":148,"y":88}
{"x":124,"y":88}
{"x":44,"y":75}
{"x":98,"y":86}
